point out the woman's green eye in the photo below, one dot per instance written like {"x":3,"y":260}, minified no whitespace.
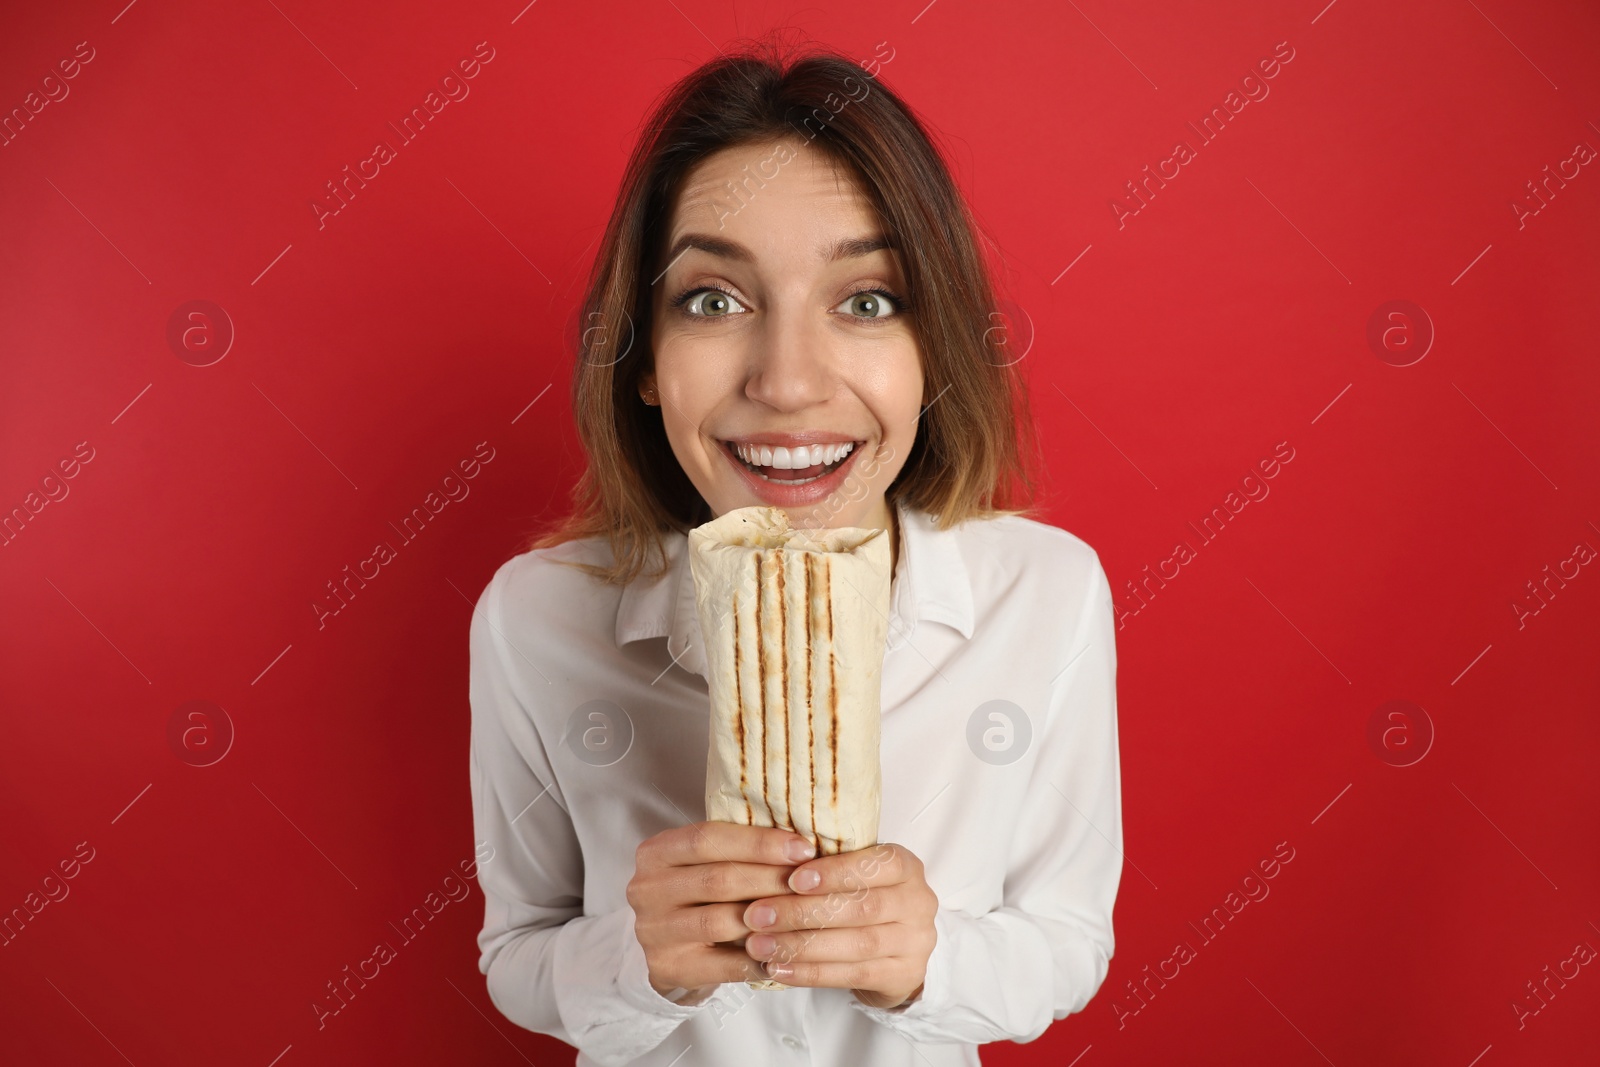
{"x":871,"y":304}
{"x":712,"y":303}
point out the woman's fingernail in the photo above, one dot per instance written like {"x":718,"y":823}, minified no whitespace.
{"x":800,"y":851}
{"x":777,"y":970}
{"x":760,"y":945}
{"x":765,"y":915}
{"x":800,"y":881}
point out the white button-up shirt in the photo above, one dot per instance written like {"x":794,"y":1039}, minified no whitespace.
{"x":590,"y":730}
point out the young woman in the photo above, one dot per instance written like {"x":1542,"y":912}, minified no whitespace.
{"x":789,"y":308}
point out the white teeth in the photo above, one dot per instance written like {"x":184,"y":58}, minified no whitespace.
{"x":797,"y":458}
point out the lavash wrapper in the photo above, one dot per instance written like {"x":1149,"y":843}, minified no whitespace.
{"x":768,"y":646}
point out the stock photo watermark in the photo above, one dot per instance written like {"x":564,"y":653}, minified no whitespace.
{"x":453,"y":889}
{"x":1541,"y":194}
{"x":199,"y":332}
{"x":740,"y":193}
{"x":342,"y":190}
{"x":1254,"y":889}
{"x":200,"y":733}
{"x":54,"y":490}
{"x":53,"y":89}
{"x":1400,"y":733}
{"x":1255,"y":89}
{"x":599,"y":732}
{"x":1541,"y":594}
{"x":999,"y":732}
{"x":1254,"y":489}
{"x":452,"y":487}
{"x":1010,"y":333}
{"x":1400,"y":333}
{"x":53,"y":889}
{"x":1528,"y":1007}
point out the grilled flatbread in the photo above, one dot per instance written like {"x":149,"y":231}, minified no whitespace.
{"x":794,"y":623}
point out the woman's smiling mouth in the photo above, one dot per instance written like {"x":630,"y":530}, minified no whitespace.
{"x":793,"y":465}
{"x":800,"y":472}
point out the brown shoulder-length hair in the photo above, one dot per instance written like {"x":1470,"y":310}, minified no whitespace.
{"x":974,"y":450}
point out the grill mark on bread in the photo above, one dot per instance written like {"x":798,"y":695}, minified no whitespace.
{"x":761,"y":668}
{"x":738,"y":718}
{"x":833,"y":694}
{"x":783,"y":668}
{"x":811,"y":719}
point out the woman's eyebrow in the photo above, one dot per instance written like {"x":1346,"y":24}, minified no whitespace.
{"x":717,"y":246}
{"x":851,"y":247}
{"x":845,"y":248}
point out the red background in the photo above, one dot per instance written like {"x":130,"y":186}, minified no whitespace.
{"x":373,"y":354}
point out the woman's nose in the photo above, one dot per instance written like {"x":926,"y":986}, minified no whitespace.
{"x":792,"y":366}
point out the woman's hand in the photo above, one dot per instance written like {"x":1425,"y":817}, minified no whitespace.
{"x":859,"y":920}
{"x":688,"y":893}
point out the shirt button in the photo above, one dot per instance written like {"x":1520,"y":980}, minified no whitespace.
{"x":790,"y":1041}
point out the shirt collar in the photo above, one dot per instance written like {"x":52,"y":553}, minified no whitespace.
{"x":930,"y":582}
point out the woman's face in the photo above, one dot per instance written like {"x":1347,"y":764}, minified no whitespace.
{"x":778,"y":334}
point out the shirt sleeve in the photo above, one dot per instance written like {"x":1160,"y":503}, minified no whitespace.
{"x":1006,"y":975}
{"x":551,"y":967}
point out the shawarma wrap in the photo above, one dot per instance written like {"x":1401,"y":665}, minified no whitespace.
{"x":794,"y":623}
